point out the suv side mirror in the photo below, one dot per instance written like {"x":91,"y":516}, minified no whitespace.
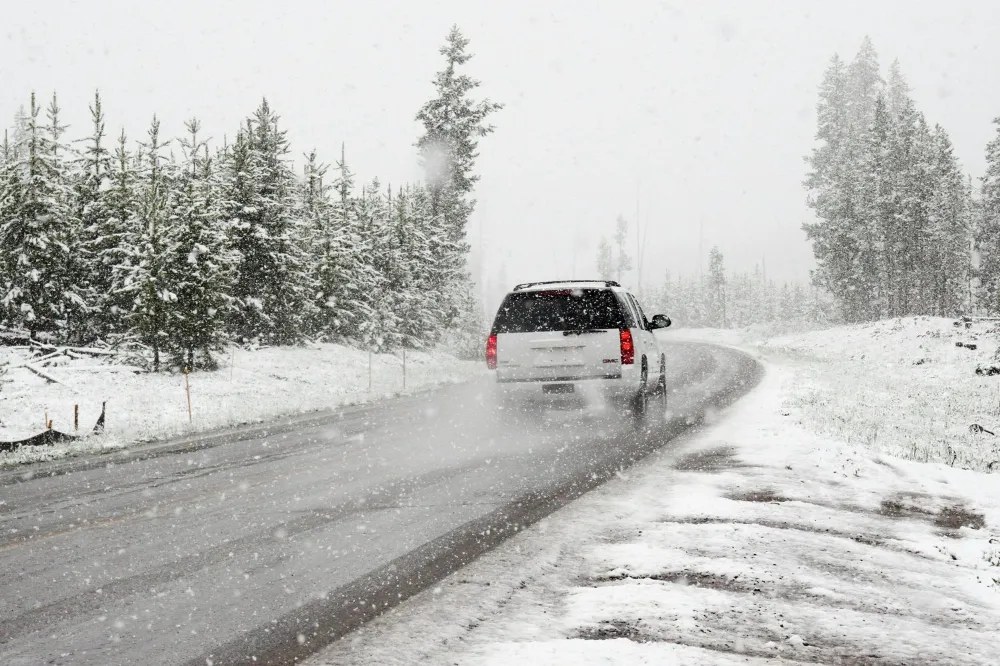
{"x":660,"y":321}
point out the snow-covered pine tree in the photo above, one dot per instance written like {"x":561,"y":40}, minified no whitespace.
{"x":874,"y":228}
{"x":947,"y":262}
{"x":19,"y":136}
{"x":864,"y":84}
{"x":75,"y":307}
{"x":830,"y":185}
{"x":453,"y":124}
{"x":146,"y":249}
{"x":666,"y":298}
{"x":199,"y":268}
{"x":844,"y":239}
{"x":36,"y":234}
{"x":988,"y":227}
{"x":738,"y":300}
{"x":317,"y":216}
{"x":716,"y":284}
{"x":605,"y":261}
{"x":91,"y":189}
{"x":624,"y":262}
{"x":437,"y":269}
{"x":379,"y":330}
{"x":910,"y":164}
{"x":113,"y":240}
{"x":271,"y":285}
{"x":353,"y":277}
{"x":11,"y":192}
{"x":418,"y":316}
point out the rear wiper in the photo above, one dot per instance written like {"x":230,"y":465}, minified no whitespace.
{"x":583,"y":331}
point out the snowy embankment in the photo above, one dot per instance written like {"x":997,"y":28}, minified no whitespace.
{"x":251,"y":386}
{"x":788,"y":530}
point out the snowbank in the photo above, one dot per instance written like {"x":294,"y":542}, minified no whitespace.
{"x":901,"y":387}
{"x":764,"y":538}
{"x":251,"y":386}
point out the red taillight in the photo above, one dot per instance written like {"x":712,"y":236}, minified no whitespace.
{"x":491,"y":352}
{"x":628,"y":349}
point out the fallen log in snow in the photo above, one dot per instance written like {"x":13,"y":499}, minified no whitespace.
{"x":102,"y":368}
{"x":48,"y":377}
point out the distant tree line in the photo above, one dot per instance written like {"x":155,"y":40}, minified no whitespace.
{"x":184,"y":248}
{"x":736,"y":300}
{"x":896,"y":219}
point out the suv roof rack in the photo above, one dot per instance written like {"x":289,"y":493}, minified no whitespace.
{"x":606,"y":283}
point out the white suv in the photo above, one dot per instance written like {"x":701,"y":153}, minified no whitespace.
{"x":553,"y":341}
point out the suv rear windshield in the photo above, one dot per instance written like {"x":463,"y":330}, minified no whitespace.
{"x":562,"y":310}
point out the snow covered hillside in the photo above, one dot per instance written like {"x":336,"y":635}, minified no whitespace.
{"x":251,"y":386}
{"x":782,"y":532}
{"x":904,"y":387}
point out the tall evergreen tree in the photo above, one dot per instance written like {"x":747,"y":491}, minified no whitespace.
{"x":113,"y":243}
{"x":271,"y":285}
{"x":717,"y":288}
{"x":146,"y":246}
{"x":893,"y":225}
{"x":199,"y":265}
{"x":605,"y":261}
{"x":624,"y":262}
{"x":453,"y":124}
{"x":92,"y":188}
{"x":36,"y":232}
{"x":988,"y":230}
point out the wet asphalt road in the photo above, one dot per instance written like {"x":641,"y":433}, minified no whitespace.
{"x":271,"y":542}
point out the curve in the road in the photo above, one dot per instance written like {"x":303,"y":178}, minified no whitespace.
{"x":242,"y":546}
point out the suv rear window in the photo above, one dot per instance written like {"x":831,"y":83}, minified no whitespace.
{"x":562,"y":310}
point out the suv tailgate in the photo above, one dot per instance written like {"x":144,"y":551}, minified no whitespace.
{"x":559,"y":335}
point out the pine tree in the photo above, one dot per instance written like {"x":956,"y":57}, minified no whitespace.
{"x":112,"y":243}
{"x":624,"y":262}
{"x":91,"y":192}
{"x":830,"y":184}
{"x":11,"y":193}
{"x":351,"y":277}
{"x":876,"y":228}
{"x":716,"y":284}
{"x":379,"y":331}
{"x":418,"y":316}
{"x":75,"y":307}
{"x":146,"y":246}
{"x":947,"y":262}
{"x":988,"y":231}
{"x":199,"y":265}
{"x":271,"y":285}
{"x":36,"y":233}
{"x":318,"y":217}
{"x":605,"y":262}
{"x":453,"y":124}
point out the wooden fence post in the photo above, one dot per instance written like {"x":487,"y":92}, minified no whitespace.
{"x":187,"y":389}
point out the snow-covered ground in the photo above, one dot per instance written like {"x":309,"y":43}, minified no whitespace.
{"x":785,"y":532}
{"x":901,"y":387}
{"x":251,"y":386}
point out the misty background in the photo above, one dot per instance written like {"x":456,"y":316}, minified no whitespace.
{"x":698,"y":115}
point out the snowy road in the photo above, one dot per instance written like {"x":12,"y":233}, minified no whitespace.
{"x":270,"y":543}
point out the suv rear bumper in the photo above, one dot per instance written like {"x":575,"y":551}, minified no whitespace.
{"x":570,"y":391}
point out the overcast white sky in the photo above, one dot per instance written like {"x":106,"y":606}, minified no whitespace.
{"x":706,"y":108}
